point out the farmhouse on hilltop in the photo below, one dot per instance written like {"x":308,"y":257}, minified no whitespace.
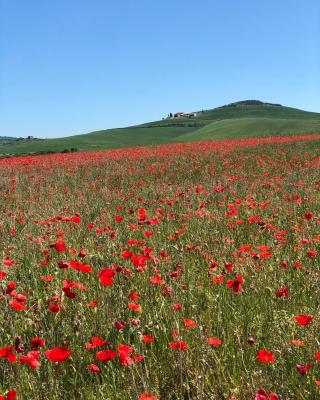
{"x":185,"y":115}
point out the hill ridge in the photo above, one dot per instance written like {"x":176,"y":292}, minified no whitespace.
{"x":247,"y":118}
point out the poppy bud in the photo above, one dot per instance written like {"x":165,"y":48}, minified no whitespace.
{"x":120,"y":325}
{"x":251,"y":341}
{"x":18,"y":345}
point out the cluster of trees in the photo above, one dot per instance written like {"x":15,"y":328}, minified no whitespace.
{"x":250,"y":103}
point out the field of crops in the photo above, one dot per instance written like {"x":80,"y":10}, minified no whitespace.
{"x":182,"y":271}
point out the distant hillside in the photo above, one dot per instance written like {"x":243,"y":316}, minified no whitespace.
{"x":6,"y":139}
{"x":248,"y":118}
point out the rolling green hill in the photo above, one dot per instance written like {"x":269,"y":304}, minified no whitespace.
{"x":241,"y":119}
{"x":253,"y":127}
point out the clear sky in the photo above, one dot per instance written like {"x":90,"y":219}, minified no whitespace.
{"x":74,"y":66}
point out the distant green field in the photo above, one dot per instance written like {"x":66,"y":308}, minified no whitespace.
{"x":226,"y":122}
{"x":251,"y":127}
{"x":111,"y":138}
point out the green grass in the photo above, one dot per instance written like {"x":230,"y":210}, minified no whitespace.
{"x":111,"y":138}
{"x":252,"y":127}
{"x":218,"y":123}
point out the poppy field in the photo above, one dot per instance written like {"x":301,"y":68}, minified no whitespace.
{"x":175,"y":272}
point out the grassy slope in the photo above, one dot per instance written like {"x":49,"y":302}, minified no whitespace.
{"x":241,"y":121}
{"x":247,"y":127}
{"x":111,"y":138}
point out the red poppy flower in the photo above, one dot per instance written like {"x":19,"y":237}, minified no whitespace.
{"x":106,"y":276}
{"x":308,"y":216}
{"x":134,"y":296}
{"x":147,"y":396}
{"x":303,"y":319}
{"x":282,"y":292}
{"x":142,"y":214}
{"x":11,"y":395}
{"x":95,"y":342}
{"x":78,"y":266}
{"x":93,"y":303}
{"x":124,"y":354}
{"x":147,"y":338}
{"x":261,"y":395}
{"x":124,"y":350}
{"x":93,"y":368}
{"x":178,"y":345}
{"x":17,"y":306}
{"x":36,"y":343}
{"x":298,"y":343}
{"x":58,"y":354}
{"x":265,"y":356}
{"x":236,"y":284}
{"x":189,"y":323}
{"x":218,"y":279}
{"x":135,"y":307}
{"x":48,"y":278}
{"x":106,"y":355}
{"x":156,"y":280}
{"x":214,"y":341}
{"x":312,"y":253}
{"x":120,"y":325}
{"x":31,"y":359}
{"x":3,"y":275}
{"x":7,"y":352}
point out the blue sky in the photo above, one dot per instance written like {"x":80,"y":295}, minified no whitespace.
{"x":74,"y":66}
